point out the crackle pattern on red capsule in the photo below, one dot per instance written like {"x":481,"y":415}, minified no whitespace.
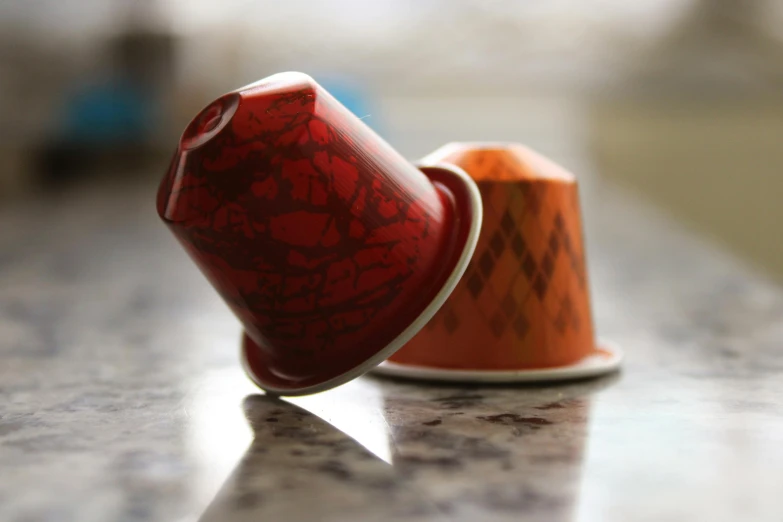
{"x":287,"y":203}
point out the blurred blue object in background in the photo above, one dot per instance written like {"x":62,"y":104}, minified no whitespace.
{"x":102,"y":127}
{"x":106,"y":114}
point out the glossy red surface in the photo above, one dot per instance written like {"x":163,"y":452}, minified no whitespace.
{"x":323,"y":240}
{"x":255,"y":359}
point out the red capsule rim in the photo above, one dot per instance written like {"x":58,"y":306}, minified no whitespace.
{"x":467,"y":205}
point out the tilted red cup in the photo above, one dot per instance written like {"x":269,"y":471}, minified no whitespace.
{"x":330,"y":247}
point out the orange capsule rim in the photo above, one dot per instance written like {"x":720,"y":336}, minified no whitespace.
{"x":607,"y":358}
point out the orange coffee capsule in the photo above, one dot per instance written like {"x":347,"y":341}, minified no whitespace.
{"x":524,"y":301}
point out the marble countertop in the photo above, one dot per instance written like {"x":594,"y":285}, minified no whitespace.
{"x":121,"y":396}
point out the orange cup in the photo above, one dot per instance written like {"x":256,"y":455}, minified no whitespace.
{"x":524,"y":301}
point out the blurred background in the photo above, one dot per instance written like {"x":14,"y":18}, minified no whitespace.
{"x":678,"y":100}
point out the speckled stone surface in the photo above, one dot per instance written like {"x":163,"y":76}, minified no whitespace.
{"x":121,"y":396}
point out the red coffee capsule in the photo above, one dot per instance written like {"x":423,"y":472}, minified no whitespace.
{"x":330,"y":248}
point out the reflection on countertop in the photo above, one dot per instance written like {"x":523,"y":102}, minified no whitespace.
{"x":450,"y":454}
{"x":122,"y":397}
